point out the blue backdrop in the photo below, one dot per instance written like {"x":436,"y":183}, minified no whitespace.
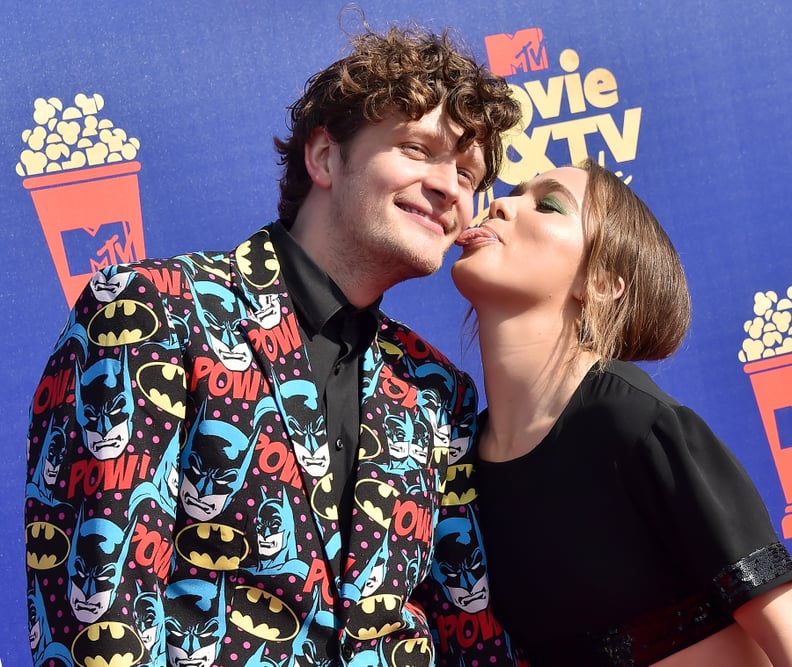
{"x":146,"y":128}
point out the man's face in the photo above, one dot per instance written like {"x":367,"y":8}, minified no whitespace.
{"x":402,"y":192}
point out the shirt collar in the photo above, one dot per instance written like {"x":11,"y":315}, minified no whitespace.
{"x":315,"y":295}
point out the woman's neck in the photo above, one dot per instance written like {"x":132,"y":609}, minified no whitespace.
{"x":532,"y":366}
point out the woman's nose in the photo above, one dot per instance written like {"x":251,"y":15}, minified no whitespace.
{"x":501,"y":208}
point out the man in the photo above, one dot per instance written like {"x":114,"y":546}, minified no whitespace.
{"x":255,"y":453}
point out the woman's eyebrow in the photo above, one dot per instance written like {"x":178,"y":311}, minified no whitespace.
{"x":545,"y":186}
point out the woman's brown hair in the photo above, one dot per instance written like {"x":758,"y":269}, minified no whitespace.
{"x":650,"y":319}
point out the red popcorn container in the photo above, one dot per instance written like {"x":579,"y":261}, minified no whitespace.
{"x":91,"y":218}
{"x":771,"y":379}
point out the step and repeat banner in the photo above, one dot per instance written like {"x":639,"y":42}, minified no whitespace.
{"x":131,"y":130}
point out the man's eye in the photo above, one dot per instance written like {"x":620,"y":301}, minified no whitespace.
{"x":415,"y":149}
{"x":468,"y":178}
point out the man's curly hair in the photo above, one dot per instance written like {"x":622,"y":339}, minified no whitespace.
{"x":408,"y":70}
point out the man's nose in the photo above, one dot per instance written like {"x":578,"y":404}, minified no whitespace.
{"x":444,"y":180}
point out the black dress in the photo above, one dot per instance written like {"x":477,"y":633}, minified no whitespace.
{"x":628,"y":534}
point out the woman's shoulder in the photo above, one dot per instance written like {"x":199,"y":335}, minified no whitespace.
{"x":621,"y":380}
{"x":621,"y":396}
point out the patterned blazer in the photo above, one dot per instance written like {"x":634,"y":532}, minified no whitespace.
{"x":177,"y":507}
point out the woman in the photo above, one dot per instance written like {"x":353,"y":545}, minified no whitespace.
{"x":619,"y":530}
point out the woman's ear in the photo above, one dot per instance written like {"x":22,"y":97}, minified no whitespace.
{"x":318,"y":148}
{"x":608,"y":287}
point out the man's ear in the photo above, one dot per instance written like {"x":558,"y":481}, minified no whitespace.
{"x":318,"y":150}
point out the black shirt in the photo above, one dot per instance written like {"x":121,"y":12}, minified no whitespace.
{"x":336,"y":335}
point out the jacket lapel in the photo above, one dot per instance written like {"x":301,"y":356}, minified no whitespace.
{"x":273,"y":334}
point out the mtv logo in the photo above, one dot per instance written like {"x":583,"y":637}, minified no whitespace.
{"x":521,"y":52}
{"x":783,"y":418}
{"x":90,"y":248}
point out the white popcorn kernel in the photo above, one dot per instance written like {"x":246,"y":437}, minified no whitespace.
{"x":57,"y":151}
{"x":763,"y":301}
{"x":96,"y":154}
{"x":128,"y":151}
{"x":89,"y":105}
{"x":781,"y":320}
{"x":76,"y":161}
{"x":34,"y":161}
{"x":71,"y":113}
{"x":753,"y":349}
{"x":756,"y":328}
{"x":37,"y":138}
{"x":771,"y":339}
{"x":89,"y":129}
{"x":43,"y":111}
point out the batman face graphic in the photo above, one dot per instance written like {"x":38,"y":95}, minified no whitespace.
{"x":56,"y":449}
{"x":214,"y":464}
{"x":409,"y":439}
{"x":107,"y":285}
{"x":460,"y":566}
{"x":149,"y":619}
{"x":306,"y":424}
{"x":272,"y":529}
{"x":269,"y":314}
{"x":462,"y":433}
{"x":195,"y":631}
{"x":104,"y":407}
{"x":45,"y":651}
{"x":220,"y":314}
{"x":96,"y":561}
{"x":45,"y":475}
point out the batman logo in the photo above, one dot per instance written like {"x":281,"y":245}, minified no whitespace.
{"x":372,"y":610}
{"x":263,"y":615}
{"x":121,"y":322}
{"x":321,"y":499}
{"x":212,"y":267}
{"x":164,"y":385}
{"x":458,"y":489}
{"x":259,"y":266}
{"x":46,"y":544}
{"x":440,"y":453}
{"x":377,"y":500}
{"x":391,"y":350}
{"x":412,"y":653}
{"x":107,"y":644}
{"x":369,"y":446}
{"x":212,"y":546}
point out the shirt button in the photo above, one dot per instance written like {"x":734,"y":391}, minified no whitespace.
{"x":347,"y":652}
{"x":339,"y":444}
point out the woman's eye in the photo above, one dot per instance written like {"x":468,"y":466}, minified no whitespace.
{"x":550,"y":203}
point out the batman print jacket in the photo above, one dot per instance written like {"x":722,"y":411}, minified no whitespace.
{"x":177,"y":509}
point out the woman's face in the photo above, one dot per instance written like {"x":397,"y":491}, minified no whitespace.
{"x":531,"y":251}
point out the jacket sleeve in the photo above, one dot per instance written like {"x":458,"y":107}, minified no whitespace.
{"x":103,"y":447}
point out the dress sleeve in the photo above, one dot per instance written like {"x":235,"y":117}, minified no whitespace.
{"x":100,"y":501}
{"x":705,"y":509}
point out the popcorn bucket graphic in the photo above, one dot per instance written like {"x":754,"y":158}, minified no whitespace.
{"x":91,"y":218}
{"x":771,"y":379}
